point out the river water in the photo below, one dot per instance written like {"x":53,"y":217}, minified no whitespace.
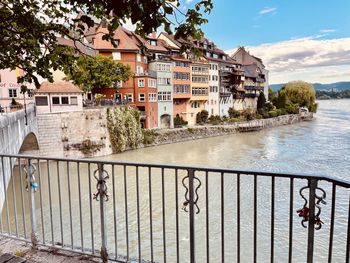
{"x":319,"y":147}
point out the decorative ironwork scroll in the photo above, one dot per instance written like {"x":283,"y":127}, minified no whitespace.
{"x":196,"y":196}
{"x":30,"y":173}
{"x":320,"y":196}
{"x":101,"y":186}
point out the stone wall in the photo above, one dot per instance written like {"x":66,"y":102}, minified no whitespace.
{"x":199,"y":132}
{"x":74,"y":134}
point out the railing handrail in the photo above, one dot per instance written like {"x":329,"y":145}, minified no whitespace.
{"x":337,"y":181}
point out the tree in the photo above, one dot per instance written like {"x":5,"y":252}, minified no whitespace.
{"x":202,"y":116}
{"x":97,"y":72}
{"x":233,"y":113}
{"x":281,"y":100}
{"x":261,"y":101}
{"x":299,"y":92}
{"x":272,"y":96}
{"x":29,"y":29}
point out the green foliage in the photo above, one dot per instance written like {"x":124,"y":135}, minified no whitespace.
{"x":261,"y":101}
{"x":299,"y":92}
{"x":124,"y":128}
{"x":19,"y":253}
{"x":29,"y":29}
{"x":248,"y":114}
{"x":202,"y":116}
{"x":292,"y":108}
{"x":313,"y":107}
{"x":97,"y":72}
{"x":233,"y":113}
{"x":190,"y":130}
{"x":179,"y":121}
{"x":258,"y":116}
{"x":333,"y":94}
{"x":272,"y":114}
{"x":272,"y":95}
{"x":149,"y":136}
{"x":214,"y":119}
{"x":281,"y":100}
{"x":16,"y":104}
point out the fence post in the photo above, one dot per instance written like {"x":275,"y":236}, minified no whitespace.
{"x":102,"y":193}
{"x":192,"y":225}
{"x":31,"y":188}
{"x":311,"y":226}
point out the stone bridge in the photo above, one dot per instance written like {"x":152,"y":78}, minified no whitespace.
{"x":18,"y":134}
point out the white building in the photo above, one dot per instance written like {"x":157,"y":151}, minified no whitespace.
{"x":60,"y":96}
{"x":212,"y":105}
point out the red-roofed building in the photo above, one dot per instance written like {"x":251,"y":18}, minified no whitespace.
{"x":140,"y":90}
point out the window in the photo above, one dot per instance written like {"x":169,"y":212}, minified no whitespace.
{"x":116,"y":56}
{"x":74,"y":100}
{"x":199,"y":91}
{"x":152,"y":42}
{"x":181,"y":76}
{"x":152,"y":97}
{"x":139,"y":70}
{"x":142,"y":97}
{"x":214,"y":78}
{"x":200,"y":79}
{"x":55,"y":100}
{"x":64,"y":100}
{"x":144,"y":59}
{"x":138,"y":58}
{"x":195,"y":104}
{"x":118,"y":84}
{"x":152,"y":83}
{"x":13,"y":93}
{"x":181,"y":64}
{"x":214,"y":88}
{"x":141,"y":82}
{"x":181,"y":89}
{"x":164,"y":81}
{"x":129,"y":97}
{"x":164,"y":96}
{"x":163,"y":67}
{"x":41,"y":101}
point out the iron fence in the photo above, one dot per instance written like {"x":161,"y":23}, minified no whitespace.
{"x":134,"y":212}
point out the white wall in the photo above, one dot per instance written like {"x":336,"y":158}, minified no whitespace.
{"x":60,"y":107}
{"x":212,"y":105}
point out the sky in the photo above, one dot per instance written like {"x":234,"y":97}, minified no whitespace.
{"x":297,"y":39}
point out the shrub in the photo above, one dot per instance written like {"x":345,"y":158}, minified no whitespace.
{"x":234,"y":120}
{"x":190,"y":130}
{"x":248,"y":114}
{"x":283,"y":111}
{"x":202,"y":116}
{"x":149,"y":136}
{"x":261,"y":101}
{"x":279,"y":112}
{"x":258,"y":116}
{"x":292,"y":108}
{"x":179,"y":121}
{"x":215,"y":119}
{"x":232,"y":113}
{"x":313,"y":107}
{"x":272,"y":113}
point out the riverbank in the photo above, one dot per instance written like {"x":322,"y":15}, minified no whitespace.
{"x":85,"y":133}
{"x":168,"y":136}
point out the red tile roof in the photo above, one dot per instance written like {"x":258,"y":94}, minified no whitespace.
{"x":58,"y":87}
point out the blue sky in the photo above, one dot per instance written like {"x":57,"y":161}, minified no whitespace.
{"x":297,"y":39}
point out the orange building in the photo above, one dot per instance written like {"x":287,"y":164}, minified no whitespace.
{"x":140,"y":90}
{"x":181,"y":85}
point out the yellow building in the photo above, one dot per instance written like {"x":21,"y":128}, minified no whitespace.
{"x":199,"y":89}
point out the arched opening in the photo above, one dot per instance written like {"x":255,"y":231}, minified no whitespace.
{"x":30,"y":144}
{"x":165,"y":121}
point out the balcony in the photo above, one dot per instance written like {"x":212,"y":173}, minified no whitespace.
{"x":259,"y":88}
{"x":128,"y":212}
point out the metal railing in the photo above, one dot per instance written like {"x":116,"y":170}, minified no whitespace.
{"x":129,"y":212}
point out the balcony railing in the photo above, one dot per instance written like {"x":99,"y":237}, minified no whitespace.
{"x":130,"y":212}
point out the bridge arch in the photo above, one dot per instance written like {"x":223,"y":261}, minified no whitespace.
{"x":30,"y":144}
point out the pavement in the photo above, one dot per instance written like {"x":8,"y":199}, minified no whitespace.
{"x":13,"y":251}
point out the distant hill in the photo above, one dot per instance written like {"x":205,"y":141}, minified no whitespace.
{"x":337,"y":86}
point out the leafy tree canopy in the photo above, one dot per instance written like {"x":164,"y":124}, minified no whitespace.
{"x":97,"y":72}
{"x":261,"y":101}
{"x":29,"y":28}
{"x":299,"y":92}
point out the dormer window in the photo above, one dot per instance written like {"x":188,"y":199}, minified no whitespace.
{"x":205,"y":46}
{"x":152,"y":42}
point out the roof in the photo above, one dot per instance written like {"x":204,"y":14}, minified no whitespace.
{"x":58,"y":87}
{"x":82,"y":47}
{"x":127,"y":40}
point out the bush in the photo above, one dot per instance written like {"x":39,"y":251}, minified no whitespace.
{"x":292,"y":108}
{"x":215,"y":119}
{"x":283,"y":111}
{"x":202,"y":116}
{"x":258,"y":116}
{"x":149,"y":136}
{"x":234,"y":120}
{"x":248,"y":114}
{"x":279,"y":112}
{"x":232,"y":113}
{"x":261,"y":101}
{"x":313,"y":107}
{"x":272,"y":113}
{"x":179,"y":121}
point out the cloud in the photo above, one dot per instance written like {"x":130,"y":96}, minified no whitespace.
{"x":267,"y":10}
{"x":327,"y":30}
{"x":310,"y":58}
